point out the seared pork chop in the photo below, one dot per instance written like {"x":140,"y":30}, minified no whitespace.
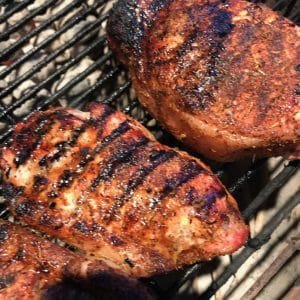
{"x":33,"y":268}
{"x":221,"y":76}
{"x":99,"y":181}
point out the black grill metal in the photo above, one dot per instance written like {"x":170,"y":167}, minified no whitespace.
{"x":113,"y":87}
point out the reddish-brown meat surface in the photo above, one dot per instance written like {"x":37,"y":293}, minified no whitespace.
{"x":222,"y":76}
{"x":98,"y":180}
{"x":34,"y":268}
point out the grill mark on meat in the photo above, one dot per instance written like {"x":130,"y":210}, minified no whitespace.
{"x":115,"y":241}
{"x":87,"y":229}
{"x":123,"y":155}
{"x":187,"y":172}
{"x":20,"y":255}
{"x":65,"y":179}
{"x":64,"y":146}
{"x":68,"y":176}
{"x":129,"y":262}
{"x":28,"y":139}
{"x":264,"y":102}
{"x":203,"y":205}
{"x":39,"y":183}
{"x":48,"y":220}
{"x":156,"y":158}
{"x":121,"y":129}
{"x":81,"y":226}
{"x":201,"y":94}
{"x":187,"y":44}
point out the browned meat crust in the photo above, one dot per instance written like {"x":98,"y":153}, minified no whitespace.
{"x":222,"y":76}
{"x":101,"y":182}
{"x":34,"y":268}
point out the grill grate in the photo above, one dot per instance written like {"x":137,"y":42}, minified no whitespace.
{"x":111,"y":86}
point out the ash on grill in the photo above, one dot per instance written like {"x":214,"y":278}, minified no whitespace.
{"x":54,"y":52}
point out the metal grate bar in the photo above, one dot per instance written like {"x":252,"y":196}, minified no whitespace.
{"x":10,"y":119}
{"x":98,"y":84}
{"x":25,"y":38}
{"x":60,"y":71}
{"x":3,"y":211}
{"x":133,"y":104}
{"x":240,"y":182}
{"x":15,"y":9}
{"x":51,"y":57}
{"x":289,"y":7}
{"x":295,"y":16}
{"x":117,"y":93}
{"x":271,"y":187}
{"x":63,"y":90}
{"x":26,"y":19}
{"x":35,"y":89}
{"x":253,"y":244}
{"x":75,"y":80}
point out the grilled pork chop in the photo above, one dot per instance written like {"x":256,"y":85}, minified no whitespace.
{"x":98,"y":180}
{"x":34,"y":268}
{"x":221,"y":76}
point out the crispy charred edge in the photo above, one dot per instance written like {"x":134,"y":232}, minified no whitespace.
{"x":128,"y":21}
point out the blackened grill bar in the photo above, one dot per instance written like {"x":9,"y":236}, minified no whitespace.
{"x":53,"y":76}
{"x":14,"y":9}
{"x":25,"y":38}
{"x":121,"y":88}
{"x":23,"y":21}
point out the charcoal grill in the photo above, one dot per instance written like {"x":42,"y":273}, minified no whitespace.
{"x":22,"y":92}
